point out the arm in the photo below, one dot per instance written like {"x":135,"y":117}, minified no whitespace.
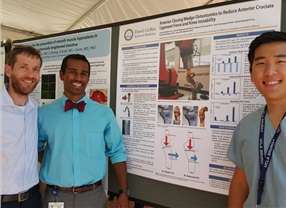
{"x":121,"y":175}
{"x":116,"y":151}
{"x":238,"y":190}
{"x":41,"y":149}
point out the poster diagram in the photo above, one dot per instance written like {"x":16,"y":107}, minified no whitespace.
{"x":190,"y":115}
{"x":225,"y":113}
{"x":99,"y":95}
{"x":165,"y":114}
{"x":48,"y":88}
{"x":226,"y":88}
{"x":202,"y":116}
{"x":184,"y":153}
{"x":191,"y":152}
{"x":170,"y":154}
{"x":227,"y":64}
{"x":177,"y":115}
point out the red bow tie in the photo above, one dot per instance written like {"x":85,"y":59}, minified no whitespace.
{"x":79,"y":106}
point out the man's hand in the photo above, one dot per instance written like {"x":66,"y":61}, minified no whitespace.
{"x":120,"y":202}
{"x":238,"y":190}
{"x":123,"y":201}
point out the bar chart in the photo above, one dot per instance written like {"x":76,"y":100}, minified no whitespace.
{"x":225,"y":113}
{"x":226,"y":88}
{"x":227,"y":64}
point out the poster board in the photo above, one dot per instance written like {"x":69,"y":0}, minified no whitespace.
{"x":94,"y":44}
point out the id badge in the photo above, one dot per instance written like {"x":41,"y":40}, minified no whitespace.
{"x":56,"y":205}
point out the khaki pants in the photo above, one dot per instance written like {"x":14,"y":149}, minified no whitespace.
{"x":89,"y":199}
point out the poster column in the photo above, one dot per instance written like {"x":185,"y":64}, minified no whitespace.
{"x":2,"y":65}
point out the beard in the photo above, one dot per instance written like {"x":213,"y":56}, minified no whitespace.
{"x":21,"y":89}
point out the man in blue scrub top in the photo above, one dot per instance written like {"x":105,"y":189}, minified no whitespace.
{"x":77,"y":134}
{"x":259,"y":141}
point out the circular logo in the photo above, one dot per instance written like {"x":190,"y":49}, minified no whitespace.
{"x":128,"y":35}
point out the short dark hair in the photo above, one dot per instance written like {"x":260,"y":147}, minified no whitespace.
{"x":22,"y":49}
{"x":74,"y":56}
{"x":264,"y":38}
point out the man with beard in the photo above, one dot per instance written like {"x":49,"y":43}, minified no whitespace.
{"x":77,"y":134}
{"x":18,"y":130}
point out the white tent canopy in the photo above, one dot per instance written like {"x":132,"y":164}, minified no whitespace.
{"x":29,"y":18}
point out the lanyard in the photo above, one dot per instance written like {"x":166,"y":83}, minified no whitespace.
{"x":264,"y":160}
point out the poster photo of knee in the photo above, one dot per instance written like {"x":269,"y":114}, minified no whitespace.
{"x":185,"y":69}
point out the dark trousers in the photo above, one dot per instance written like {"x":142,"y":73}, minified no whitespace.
{"x":34,"y":200}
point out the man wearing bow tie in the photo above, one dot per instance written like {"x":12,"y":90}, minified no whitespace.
{"x":77,"y":134}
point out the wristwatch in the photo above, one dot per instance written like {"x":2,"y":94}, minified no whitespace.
{"x":123,"y":191}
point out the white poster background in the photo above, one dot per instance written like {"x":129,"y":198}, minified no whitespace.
{"x":190,"y":149}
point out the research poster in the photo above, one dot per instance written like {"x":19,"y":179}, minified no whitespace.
{"x":183,"y":85}
{"x":94,"y":44}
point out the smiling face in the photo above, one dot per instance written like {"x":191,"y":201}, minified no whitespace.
{"x":75,"y":78}
{"x":23,"y":75}
{"x":269,"y":71}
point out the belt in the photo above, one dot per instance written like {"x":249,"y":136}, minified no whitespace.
{"x":77,"y":189}
{"x":20,"y":197}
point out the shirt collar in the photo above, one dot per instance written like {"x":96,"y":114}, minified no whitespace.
{"x":64,"y":98}
{"x":6,"y":100}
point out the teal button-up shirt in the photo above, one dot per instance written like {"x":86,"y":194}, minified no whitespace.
{"x":77,"y":143}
